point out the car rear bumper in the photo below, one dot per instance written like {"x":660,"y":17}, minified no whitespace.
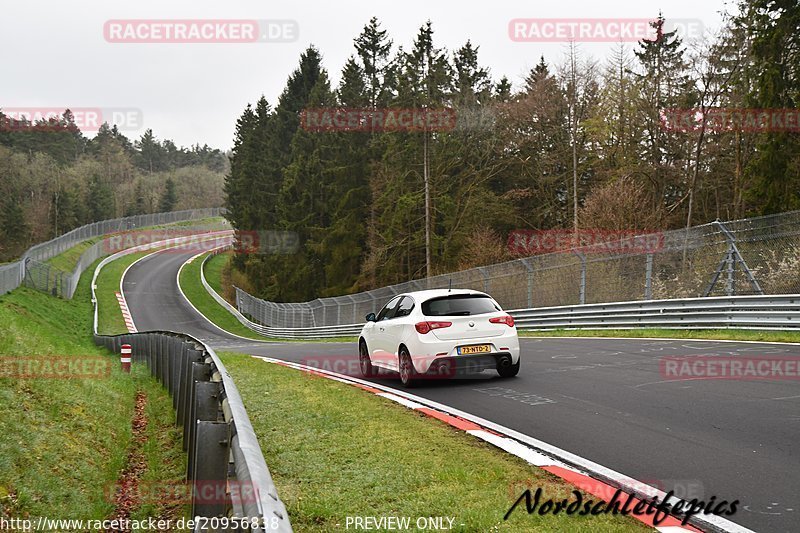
{"x":426,"y":352}
{"x":464,"y":365}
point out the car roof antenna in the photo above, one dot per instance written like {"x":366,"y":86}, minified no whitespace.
{"x":450,"y":286}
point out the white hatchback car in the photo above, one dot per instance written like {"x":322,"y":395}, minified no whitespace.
{"x":439,"y":333}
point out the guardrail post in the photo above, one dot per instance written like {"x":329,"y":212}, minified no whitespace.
{"x":211,"y":469}
{"x":172,"y":363}
{"x":152,"y":346}
{"x":193,"y":356}
{"x":141,"y":348}
{"x":648,"y":278}
{"x":205,"y":408}
{"x":163,"y":357}
{"x":138,"y":344}
{"x":180,"y":366}
{"x":199,"y":372}
{"x":168,"y":354}
{"x":156,"y":355}
{"x":158,"y":348}
{"x":180,"y":358}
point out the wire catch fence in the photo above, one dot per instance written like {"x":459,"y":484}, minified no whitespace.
{"x":741,"y":257}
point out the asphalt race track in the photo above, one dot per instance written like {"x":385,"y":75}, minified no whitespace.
{"x":602,"y":399}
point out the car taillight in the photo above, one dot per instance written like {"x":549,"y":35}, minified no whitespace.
{"x":508,"y":320}
{"x":425,"y":327}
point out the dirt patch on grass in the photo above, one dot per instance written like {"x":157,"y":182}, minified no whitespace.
{"x":18,"y":309}
{"x":126,"y":494}
{"x":9,"y":503}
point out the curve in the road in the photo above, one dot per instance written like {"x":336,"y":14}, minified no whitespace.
{"x":601,"y":399}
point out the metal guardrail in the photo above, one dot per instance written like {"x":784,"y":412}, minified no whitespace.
{"x":779,"y":312}
{"x":33,"y":270}
{"x":749,"y":256}
{"x":224,"y":457}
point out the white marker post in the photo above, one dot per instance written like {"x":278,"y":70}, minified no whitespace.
{"x":125,"y":357}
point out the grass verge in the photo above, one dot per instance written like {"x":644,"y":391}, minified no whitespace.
{"x":63,"y":442}
{"x":214,"y":269}
{"x":223,"y":224}
{"x":109,"y":315}
{"x":164,"y":458}
{"x":715,"y":334}
{"x":336,"y":451}
{"x":197,"y":294}
{"x":68,"y":260}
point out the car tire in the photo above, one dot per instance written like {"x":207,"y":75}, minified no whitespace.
{"x":364,"y":362}
{"x":508,"y":371}
{"x":406,"y":368}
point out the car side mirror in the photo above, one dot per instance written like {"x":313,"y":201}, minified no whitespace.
{"x":370,"y":317}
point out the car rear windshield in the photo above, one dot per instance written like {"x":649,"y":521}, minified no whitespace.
{"x":459,"y":305}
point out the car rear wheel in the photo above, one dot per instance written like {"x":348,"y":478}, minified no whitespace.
{"x":508,"y":370}
{"x":364,"y":362}
{"x":407,"y":372}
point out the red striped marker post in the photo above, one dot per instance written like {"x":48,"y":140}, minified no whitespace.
{"x":125,"y":357}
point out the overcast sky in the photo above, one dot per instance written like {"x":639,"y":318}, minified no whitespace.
{"x":54,"y":53}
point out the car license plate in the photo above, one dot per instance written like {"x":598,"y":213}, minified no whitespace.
{"x":478,"y":348}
